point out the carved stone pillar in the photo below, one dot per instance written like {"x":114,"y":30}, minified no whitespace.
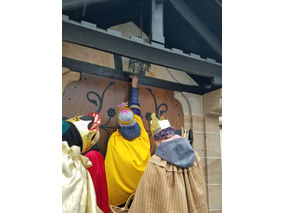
{"x":194,"y":119}
{"x":201,"y":115}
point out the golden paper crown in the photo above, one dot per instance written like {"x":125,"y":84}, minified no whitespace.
{"x":123,"y":105}
{"x":157,"y":125}
{"x":86,"y":131}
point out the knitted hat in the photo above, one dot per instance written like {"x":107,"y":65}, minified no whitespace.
{"x":125,"y":115}
{"x":129,"y":128}
{"x":83,"y":129}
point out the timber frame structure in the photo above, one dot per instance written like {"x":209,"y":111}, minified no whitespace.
{"x":164,"y":48}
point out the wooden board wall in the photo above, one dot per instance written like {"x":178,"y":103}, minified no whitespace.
{"x":75,"y":101}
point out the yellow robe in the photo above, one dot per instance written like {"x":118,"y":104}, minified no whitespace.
{"x":125,"y":163}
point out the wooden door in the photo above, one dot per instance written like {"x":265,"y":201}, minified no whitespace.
{"x":97,"y":94}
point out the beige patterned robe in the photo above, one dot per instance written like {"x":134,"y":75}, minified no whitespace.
{"x":165,"y":188}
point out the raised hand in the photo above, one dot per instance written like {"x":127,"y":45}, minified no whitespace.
{"x":134,"y":81}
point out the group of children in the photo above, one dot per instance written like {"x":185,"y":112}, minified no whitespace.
{"x":170,"y":180}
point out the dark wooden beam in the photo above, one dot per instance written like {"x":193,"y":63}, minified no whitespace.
{"x":197,"y":24}
{"x":71,"y":4}
{"x":89,"y":35}
{"x":93,"y":69}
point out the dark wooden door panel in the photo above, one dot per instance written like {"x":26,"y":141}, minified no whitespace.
{"x":98,"y":94}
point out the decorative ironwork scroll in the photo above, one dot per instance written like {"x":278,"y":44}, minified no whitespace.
{"x":160,"y":112}
{"x":101,"y":98}
{"x":111,"y":112}
{"x":157,"y":108}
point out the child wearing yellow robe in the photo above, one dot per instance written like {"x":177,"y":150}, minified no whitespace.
{"x":128,"y":151}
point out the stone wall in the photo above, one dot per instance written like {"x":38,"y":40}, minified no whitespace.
{"x":201,"y":114}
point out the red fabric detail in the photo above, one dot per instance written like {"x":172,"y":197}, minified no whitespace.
{"x":97,"y":121}
{"x":98,"y":174}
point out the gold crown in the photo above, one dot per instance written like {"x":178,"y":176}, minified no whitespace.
{"x":87,"y":134}
{"x":123,"y":105}
{"x":157,"y":125}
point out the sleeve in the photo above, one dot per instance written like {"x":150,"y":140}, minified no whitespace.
{"x":65,"y":126}
{"x":134,"y":103}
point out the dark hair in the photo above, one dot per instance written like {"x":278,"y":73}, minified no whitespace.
{"x":72,"y":136}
